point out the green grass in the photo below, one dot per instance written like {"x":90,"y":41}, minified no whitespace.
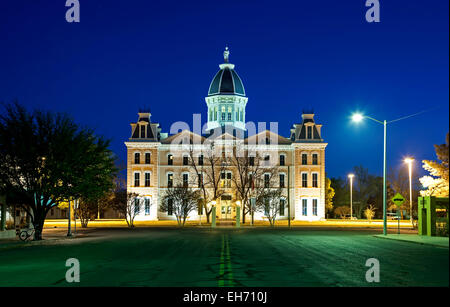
{"x":224,"y":257}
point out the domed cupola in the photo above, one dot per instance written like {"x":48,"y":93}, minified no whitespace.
{"x":226,"y":81}
{"x":226,"y":98}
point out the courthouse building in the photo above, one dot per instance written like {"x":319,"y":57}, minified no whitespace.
{"x":157,"y":161}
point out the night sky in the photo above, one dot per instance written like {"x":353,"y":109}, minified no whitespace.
{"x":291,"y":55}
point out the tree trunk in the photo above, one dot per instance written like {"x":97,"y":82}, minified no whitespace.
{"x":38,"y":224}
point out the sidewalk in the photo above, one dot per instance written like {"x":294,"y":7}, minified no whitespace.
{"x":436,"y":241}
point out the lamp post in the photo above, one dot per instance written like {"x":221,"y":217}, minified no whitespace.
{"x":350,"y":176}
{"x":357,"y":118}
{"x":409,"y":161}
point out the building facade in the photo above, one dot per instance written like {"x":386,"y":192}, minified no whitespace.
{"x":157,"y":161}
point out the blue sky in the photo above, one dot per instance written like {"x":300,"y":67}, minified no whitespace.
{"x":291,"y":55}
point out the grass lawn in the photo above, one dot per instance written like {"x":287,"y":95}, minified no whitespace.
{"x":222,"y":257}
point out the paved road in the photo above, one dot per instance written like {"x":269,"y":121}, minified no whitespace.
{"x":223,"y":257}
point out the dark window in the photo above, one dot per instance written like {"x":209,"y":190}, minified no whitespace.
{"x":267,"y":141}
{"x":169,"y":180}
{"x":142,"y":132}
{"x":147,"y":206}
{"x":200,"y":160}
{"x":137,"y":179}
{"x":170,"y":206}
{"x":266,"y":207}
{"x":147,"y":158}
{"x":314,"y":207}
{"x":185,"y":180}
{"x":137,"y":206}
{"x":315,"y":159}
{"x":281,"y":180}
{"x":200,"y":207}
{"x":185,"y":160}
{"x":304,"y":180}
{"x":229,"y":116}
{"x":200,"y":180}
{"x":282,"y":160}
{"x":305,"y":207}
{"x":304,"y":159}
{"x":147,"y":179}
{"x":309,"y":132}
{"x":169,"y":160}
{"x":267,"y":158}
{"x":282,"y":206}
{"x":137,"y":158}
{"x":314,"y":180}
{"x":251,"y":161}
{"x":266,"y":180}
{"x":223,"y":116}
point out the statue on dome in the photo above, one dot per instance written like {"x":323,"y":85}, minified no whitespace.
{"x":226,"y":54}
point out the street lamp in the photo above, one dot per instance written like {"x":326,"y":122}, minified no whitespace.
{"x":357,"y":117}
{"x":409,"y":161}
{"x":350,"y":176}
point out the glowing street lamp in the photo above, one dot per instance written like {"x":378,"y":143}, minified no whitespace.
{"x":358,"y":117}
{"x":350,"y":176}
{"x":409,"y":161}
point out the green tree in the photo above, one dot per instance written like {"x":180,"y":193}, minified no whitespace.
{"x":329,"y":195}
{"x":45,"y":159}
{"x":438,"y":183}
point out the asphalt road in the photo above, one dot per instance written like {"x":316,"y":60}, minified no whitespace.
{"x":223,"y":257}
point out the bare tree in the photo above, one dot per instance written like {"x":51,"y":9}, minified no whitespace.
{"x":208,"y":165}
{"x":268,"y":202}
{"x":181,"y":201}
{"x":128,"y":204}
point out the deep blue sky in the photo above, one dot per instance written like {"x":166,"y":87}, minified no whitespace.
{"x":291,"y":55}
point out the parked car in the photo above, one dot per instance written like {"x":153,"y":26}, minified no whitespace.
{"x":347,"y":217}
{"x":392,"y":216}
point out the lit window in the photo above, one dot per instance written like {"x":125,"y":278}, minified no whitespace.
{"x":304,"y":207}
{"x":314,"y":207}
{"x":147,"y":206}
{"x":169,"y":180}
{"x":169,"y":159}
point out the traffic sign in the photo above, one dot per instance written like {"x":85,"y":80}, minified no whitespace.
{"x":398,"y":199}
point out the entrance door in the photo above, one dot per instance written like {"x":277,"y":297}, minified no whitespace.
{"x":225,"y":207}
